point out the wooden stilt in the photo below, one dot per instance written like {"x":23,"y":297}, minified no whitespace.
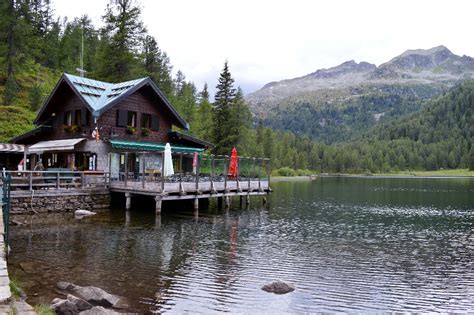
{"x":264,"y":200}
{"x":247,"y":199}
{"x":196,"y":204}
{"x":128,"y":201}
{"x":241,"y":199}
{"x":158,"y":205}
{"x":219,"y":202}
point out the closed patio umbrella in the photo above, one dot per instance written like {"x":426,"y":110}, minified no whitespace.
{"x":168,"y":163}
{"x":234,"y":164}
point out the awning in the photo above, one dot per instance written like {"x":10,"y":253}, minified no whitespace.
{"x":151,"y":146}
{"x":11,"y":148}
{"x":54,"y":145}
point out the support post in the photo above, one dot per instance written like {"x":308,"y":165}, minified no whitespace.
{"x":213,"y":190}
{"x":58,"y":185}
{"x":196,"y":204}
{"x":158,"y":205}
{"x":128,"y":201}
{"x":225,"y":173}
{"x":82,"y":180}
{"x":30,"y":179}
{"x":110,"y":167}
{"x":259,"y":172}
{"x":143,"y":170}
{"x":247,"y":199}
{"x":219,"y":202}
{"x":241,"y":198}
{"x":197,"y":175}
{"x":126,"y":168}
{"x":163,"y":172}
{"x":264,"y":200}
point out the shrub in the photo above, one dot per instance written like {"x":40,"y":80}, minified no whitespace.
{"x":131,"y":130}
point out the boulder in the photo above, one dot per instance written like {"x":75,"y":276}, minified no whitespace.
{"x":64,"y":307}
{"x":80,"y":303}
{"x":83,"y":213}
{"x":94,"y":295}
{"x":278,"y":287}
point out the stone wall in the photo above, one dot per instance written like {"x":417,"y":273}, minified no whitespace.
{"x":61,"y":202}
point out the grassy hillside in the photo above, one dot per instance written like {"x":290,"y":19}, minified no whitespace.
{"x":18,"y":118}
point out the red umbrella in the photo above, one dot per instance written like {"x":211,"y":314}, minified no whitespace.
{"x":234,"y":163}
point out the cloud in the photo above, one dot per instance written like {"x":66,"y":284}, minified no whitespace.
{"x":274,"y":40}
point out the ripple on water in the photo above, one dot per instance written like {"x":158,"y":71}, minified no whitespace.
{"x":349,"y":246}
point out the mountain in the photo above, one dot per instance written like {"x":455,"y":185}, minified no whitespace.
{"x":331,"y":105}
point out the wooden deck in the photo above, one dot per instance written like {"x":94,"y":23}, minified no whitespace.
{"x":192,"y":190}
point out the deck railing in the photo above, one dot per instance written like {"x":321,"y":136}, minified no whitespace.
{"x":209,"y":168}
{"x":47,"y":180}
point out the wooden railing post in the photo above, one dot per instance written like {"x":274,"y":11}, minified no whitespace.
{"x":197,"y":174}
{"x":126,"y":168}
{"x":110,"y":167}
{"x":30,"y":179}
{"x":143,"y":170}
{"x":163,"y":172}
{"x":58,"y":185}
{"x":212,"y":174}
{"x":82,"y":180}
{"x":225,"y":173}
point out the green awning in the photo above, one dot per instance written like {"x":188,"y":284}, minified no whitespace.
{"x":151,"y":146}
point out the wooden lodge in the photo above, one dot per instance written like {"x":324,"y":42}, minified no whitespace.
{"x":91,"y":134}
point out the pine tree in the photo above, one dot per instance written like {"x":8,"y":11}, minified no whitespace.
{"x":121,"y":38}
{"x":223,"y":100}
{"x":9,"y":34}
{"x":157,"y":66}
{"x":203,"y":123}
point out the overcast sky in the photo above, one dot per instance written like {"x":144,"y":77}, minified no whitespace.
{"x":272,"y":40}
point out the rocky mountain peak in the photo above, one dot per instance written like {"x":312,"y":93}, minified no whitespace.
{"x":421,"y":58}
{"x":344,"y":68}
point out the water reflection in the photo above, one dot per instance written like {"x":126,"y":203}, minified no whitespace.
{"x":348,"y":245}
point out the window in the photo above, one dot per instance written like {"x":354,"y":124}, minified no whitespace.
{"x":146,"y":121}
{"x":77,"y":118}
{"x":132,"y":119}
{"x":68,"y":118}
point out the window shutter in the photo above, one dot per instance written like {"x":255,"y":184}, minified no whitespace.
{"x":155,"y":123}
{"x":121,"y":118}
{"x":83,"y":117}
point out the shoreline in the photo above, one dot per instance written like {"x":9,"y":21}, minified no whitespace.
{"x":421,"y":175}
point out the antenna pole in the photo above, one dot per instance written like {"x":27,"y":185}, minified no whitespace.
{"x":81,"y":68}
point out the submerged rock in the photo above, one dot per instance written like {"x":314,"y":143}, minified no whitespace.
{"x":94,"y":295}
{"x":99,"y":310}
{"x":278,"y":287}
{"x":83,"y":213}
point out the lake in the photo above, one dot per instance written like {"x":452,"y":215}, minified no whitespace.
{"x":346,"y":244}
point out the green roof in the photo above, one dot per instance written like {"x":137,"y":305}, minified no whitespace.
{"x":151,"y":146}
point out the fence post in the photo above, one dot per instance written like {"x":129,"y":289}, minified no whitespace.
{"x":163,"y":171}
{"x":126,"y":168}
{"x":225,"y":173}
{"x":143,"y":170}
{"x":197,"y":174}
{"x":212,"y":173}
